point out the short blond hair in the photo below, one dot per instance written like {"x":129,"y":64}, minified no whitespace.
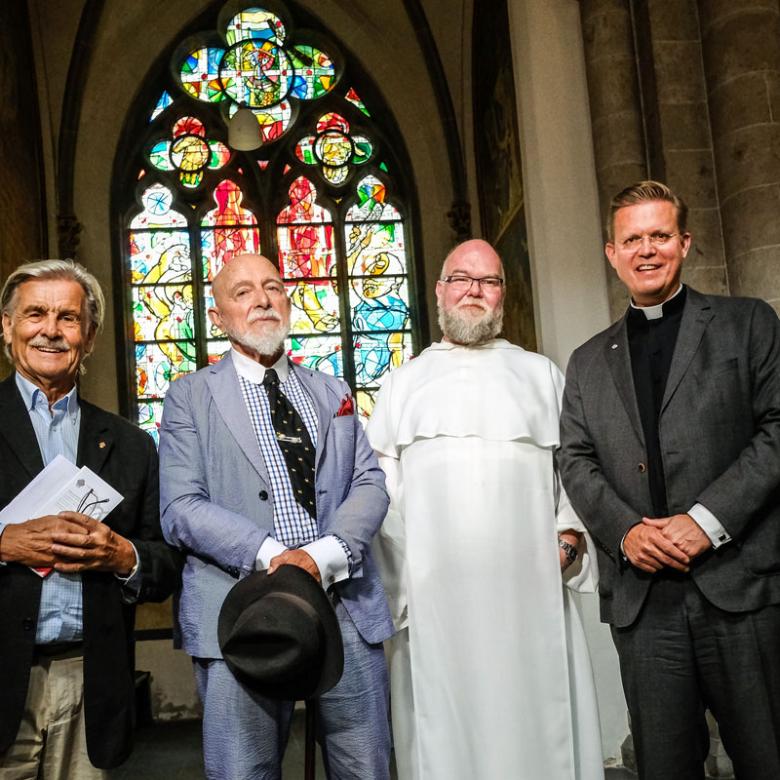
{"x":641,"y":192}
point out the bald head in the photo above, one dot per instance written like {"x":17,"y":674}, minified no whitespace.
{"x":237,"y":268}
{"x":251,"y":306}
{"x":470,"y":253}
{"x":470,"y":294}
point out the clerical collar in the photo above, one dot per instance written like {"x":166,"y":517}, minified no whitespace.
{"x":254,"y":371}
{"x":669,"y":306}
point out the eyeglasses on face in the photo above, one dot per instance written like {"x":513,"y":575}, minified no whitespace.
{"x":657,"y":238}
{"x":461,"y":282}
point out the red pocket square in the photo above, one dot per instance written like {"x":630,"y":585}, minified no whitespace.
{"x":347,"y":408}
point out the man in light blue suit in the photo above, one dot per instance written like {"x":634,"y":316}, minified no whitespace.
{"x":241,"y":492}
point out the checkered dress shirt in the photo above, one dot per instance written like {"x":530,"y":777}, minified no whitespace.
{"x":293,"y":525}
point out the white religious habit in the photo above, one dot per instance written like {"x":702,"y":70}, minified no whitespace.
{"x":490,"y":673}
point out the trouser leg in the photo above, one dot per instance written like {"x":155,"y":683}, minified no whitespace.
{"x":353,"y":717}
{"x":738,"y":656}
{"x":661,"y":683}
{"x":51,"y":743}
{"x":244,"y":734}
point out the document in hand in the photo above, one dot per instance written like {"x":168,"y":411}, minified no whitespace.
{"x":62,"y":487}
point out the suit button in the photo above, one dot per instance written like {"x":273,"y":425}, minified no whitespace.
{"x":642,"y":468}
{"x":263,"y":495}
{"x":27,"y":624}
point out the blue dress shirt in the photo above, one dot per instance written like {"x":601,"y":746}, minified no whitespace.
{"x":60,"y":617}
{"x":57,"y":432}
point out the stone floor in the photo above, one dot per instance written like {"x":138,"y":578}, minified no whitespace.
{"x":171,"y":751}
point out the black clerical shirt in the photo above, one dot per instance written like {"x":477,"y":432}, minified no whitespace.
{"x":651,"y":343}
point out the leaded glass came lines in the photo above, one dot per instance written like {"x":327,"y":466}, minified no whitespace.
{"x":323,"y":204}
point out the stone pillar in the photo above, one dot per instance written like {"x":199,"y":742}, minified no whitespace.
{"x":741,"y":48}
{"x":678,"y":132}
{"x":615,"y":109}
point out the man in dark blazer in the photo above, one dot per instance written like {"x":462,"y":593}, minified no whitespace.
{"x":671,"y":456}
{"x":66,"y":645}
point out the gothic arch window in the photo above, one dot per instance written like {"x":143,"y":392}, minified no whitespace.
{"x":253,"y":136}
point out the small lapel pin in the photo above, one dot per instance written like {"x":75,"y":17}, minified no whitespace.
{"x":101,"y":444}
{"x":614,"y":346}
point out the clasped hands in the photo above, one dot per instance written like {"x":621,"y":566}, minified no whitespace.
{"x":666,"y":541}
{"x":69,"y":542}
{"x":299,"y":558}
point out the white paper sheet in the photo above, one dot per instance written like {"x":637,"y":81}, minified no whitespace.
{"x":62,"y":487}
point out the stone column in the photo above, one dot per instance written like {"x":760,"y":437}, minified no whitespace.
{"x":681,"y":150}
{"x":615,"y":109}
{"x":741,"y":50}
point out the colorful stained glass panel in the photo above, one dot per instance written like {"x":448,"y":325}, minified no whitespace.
{"x":220,"y":245}
{"x":306,"y":250}
{"x":149,"y":417}
{"x":157,"y":365}
{"x":315,"y":73}
{"x":163,"y":103}
{"x":157,"y":213}
{"x":315,"y":308}
{"x":159,"y":156}
{"x":256,"y":73}
{"x":379,"y":303}
{"x":376,"y":354}
{"x":375,"y":248}
{"x":229,"y":211}
{"x":162,"y":312}
{"x":365,"y":403}
{"x":255,"y":23}
{"x":303,"y":207}
{"x":199,"y":74}
{"x":319,"y":353}
{"x":159,"y":256}
{"x":190,"y":153}
{"x":371,"y":205}
{"x":216,"y":349}
{"x":353,"y":98}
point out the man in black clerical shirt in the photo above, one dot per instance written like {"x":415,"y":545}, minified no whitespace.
{"x":671,"y":456}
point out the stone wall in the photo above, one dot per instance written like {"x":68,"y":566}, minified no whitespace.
{"x":689,"y":93}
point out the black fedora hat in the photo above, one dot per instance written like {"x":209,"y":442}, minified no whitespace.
{"x":280,"y":636}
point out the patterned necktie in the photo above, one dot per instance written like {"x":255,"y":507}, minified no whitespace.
{"x":294,"y":442}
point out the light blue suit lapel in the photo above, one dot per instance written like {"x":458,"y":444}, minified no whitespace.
{"x":225,"y":388}
{"x":319,"y":393}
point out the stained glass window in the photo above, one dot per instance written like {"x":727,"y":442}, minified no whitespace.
{"x":324,"y":195}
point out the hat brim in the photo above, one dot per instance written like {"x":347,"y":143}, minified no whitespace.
{"x":296,"y":581}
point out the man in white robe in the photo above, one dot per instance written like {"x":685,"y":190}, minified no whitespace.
{"x":490,"y":674}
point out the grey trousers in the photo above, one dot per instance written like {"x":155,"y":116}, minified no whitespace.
{"x":683,"y":655}
{"x":245,"y":735}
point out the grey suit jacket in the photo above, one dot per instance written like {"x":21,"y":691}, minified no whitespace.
{"x":216,"y":499}
{"x":719,"y":431}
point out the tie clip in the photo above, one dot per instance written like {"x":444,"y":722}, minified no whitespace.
{"x":288,"y":439}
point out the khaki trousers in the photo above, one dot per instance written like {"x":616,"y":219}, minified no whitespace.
{"x":51,"y":743}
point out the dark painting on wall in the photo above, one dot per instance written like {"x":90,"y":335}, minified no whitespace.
{"x":499,"y":171}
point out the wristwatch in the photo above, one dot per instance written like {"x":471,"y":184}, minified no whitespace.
{"x":569,"y":549}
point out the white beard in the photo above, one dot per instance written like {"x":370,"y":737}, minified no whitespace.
{"x":266,"y":344}
{"x":461,"y":328}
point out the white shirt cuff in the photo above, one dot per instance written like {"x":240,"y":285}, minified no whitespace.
{"x":710,"y":524}
{"x":330,"y":558}
{"x":269,"y":549}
